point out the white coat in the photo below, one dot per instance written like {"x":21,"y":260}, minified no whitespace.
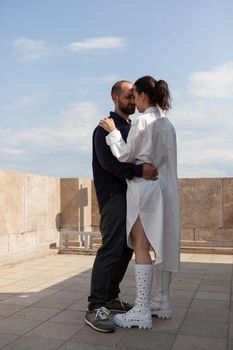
{"x":152,"y":139}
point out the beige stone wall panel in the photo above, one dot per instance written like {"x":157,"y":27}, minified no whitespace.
{"x":48,"y":236}
{"x":85,"y":204}
{"x":201,"y":202}
{"x":21,"y":241}
{"x":4,"y":243}
{"x":95,"y":217}
{"x":54,"y":204}
{"x":187,"y":234}
{"x":228,"y":202}
{"x":214,"y":234}
{"x":11,"y":202}
{"x":70,"y":203}
{"x":36,"y":202}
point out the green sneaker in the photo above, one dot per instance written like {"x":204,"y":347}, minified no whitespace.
{"x":118,"y":305}
{"x":99,"y":320}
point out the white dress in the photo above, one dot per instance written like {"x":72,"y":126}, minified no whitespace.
{"x":152,"y":139}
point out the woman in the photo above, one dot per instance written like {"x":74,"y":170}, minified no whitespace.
{"x":152,"y":206}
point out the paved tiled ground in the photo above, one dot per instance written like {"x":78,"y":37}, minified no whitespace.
{"x":42,"y":306}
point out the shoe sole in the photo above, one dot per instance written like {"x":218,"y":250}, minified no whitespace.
{"x":99,"y":329}
{"x":139,"y":324}
{"x":162,"y":314}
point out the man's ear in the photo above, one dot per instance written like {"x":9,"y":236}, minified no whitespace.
{"x":115,"y":98}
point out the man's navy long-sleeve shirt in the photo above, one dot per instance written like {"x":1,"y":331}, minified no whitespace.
{"x":110,"y":174}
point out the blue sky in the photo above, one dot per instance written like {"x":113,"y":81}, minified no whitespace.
{"x":60,"y":58}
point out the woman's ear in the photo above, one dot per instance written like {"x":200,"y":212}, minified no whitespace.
{"x":143,"y":96}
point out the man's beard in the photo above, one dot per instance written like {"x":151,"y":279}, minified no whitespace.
{"x":130,"y":109}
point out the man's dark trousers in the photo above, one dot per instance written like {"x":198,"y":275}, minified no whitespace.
{"x":113,"y":256}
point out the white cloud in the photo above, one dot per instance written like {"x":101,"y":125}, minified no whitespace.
{"x":97,"y":43}
{"x":205,"y":140}
{"x":33,"y":99}
{"x":204,"y":126}
{"x":10,"y":152}
{"x":103,"y":79}
{"x":26,"y":101}
{"x":216,"y":83}
{"x":31,"y":49}
{"x":72,"y":131}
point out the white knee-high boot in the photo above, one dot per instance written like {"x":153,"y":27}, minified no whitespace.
{"x":140,"y":314}
{"x":160,"y":305}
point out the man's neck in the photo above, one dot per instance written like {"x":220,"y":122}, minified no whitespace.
{"x":122,"y":115}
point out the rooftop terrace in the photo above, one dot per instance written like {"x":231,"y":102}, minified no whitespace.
{"x":43,"y":301}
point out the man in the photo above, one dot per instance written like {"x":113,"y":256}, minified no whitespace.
{"x":109,"y":179}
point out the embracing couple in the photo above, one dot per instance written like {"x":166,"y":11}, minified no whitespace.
{"x":135,"y":178}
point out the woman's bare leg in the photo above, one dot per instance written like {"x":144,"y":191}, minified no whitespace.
{"x":141,"y":245}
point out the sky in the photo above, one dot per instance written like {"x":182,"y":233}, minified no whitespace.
{"x":60,"y":58}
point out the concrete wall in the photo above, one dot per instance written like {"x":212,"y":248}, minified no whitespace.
{"x":33,"y":208}
{"x":76,"y":204}
{"x":206,"y":210}
{"x":29,"y":213}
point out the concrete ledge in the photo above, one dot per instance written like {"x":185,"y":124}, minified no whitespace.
{"x":12,"y":258}
{"x":207,"y":250}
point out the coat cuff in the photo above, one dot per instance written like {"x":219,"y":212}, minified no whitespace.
{"x":113,"y":137}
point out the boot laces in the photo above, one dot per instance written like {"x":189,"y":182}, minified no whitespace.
{"x":102,"y":313}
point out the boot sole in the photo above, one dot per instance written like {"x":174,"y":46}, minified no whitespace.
{"x":139,"y":324}
{"x":162,"y":314}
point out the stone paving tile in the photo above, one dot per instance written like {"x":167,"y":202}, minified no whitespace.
{"x":169,"y":326}
{"x":55,"y":302}
{"x":212,"y":295}
{"x":190,"y":276}
{"x":79,"y":287}
{"x":69,"y":316}
{"x":17,"y":326}
{"x":231,"y":316}
{"x":221,"y":276}
{"x":231,"y":331}
{"x":84,"y":346}
{"x":180,"y":302}
{"x":50,"y":307}
{"x":12,"y":289}
{"x":81,"y":305}
{"x":24,"y":299}
{"x":6,"y":339}
{"x":183,"y":284}
{"x":4,"y":296}
{"x":34,"y":343}
{"x":207,"y":315}
{"x":43,"y":292}
{"x":71,"y":295}
{"x":54,"y":330}
{"x":204,"y":329}
{"x":213,"y":288}
{"x":230,"y":345}
{"x":4,"y":282}
{"x":189,"y":294}
{"x":210,"y":304}
{"x":139,"y":339}
{"x":36,"y":313}
{"x":184,"y":342}
{"x":216,"y":282}
{"x":88,"y":336}
{"x":8,"y":310}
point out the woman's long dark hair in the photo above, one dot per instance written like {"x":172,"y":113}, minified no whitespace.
{"x":157,"y":91}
